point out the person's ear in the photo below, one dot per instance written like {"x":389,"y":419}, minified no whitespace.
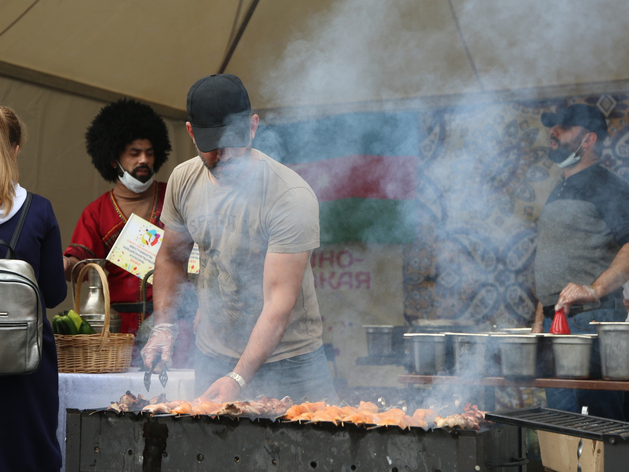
{"x":189,"y":130}
{"x":254,"y":122}
{"x":589,"y":140}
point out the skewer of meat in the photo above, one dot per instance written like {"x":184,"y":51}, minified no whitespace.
{"x":185,"y":408}
{"x":162,"y":408}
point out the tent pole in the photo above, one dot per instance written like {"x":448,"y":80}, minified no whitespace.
{"x":241,"y":30}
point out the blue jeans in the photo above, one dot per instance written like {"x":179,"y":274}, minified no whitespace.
{"x":602,"y":403}
{"x":304,"y":377}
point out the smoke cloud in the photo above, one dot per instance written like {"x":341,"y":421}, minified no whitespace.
{"x":360,"y":50}
{"x":460,"y":85}
{"x":482,"y":167}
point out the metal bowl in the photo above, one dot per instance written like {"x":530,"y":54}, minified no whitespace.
{"x":429,"y":352}
{"x":98,"y":321}
{"x":614,"y":347}
{"x":518,"y":355}
{"x":571,"y":354}
{"x":470,"y":353}
{"x":379,"y":340}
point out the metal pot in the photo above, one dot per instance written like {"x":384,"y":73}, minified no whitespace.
{"x":93,"y":307}
{"x":429,"y":352}
{"x":614,"y":346}
{"x":470,"y":354}
{"x":379,"y":340}
{"x":518,"y":355}
{"x":572,"y":355}
{"x":98,"y":321}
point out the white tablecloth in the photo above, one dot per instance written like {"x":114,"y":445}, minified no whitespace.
{"x":92,"y":391}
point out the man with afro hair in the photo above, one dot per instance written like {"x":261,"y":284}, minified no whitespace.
{"x":128,"y":142}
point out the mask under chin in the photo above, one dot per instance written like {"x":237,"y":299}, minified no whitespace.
{"x":559,"y":155}
{"x":563,"y":157}
{"x":134,"y":184}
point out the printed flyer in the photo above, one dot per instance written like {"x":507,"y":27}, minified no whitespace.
{"x":138,"y":244}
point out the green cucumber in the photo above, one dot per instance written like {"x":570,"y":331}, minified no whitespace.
{"x":86,"y":328}
{"x":57,"y":325}
{"x":68,"y":325}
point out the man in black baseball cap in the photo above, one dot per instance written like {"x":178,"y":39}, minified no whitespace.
{"x":222,"y":126}
{"x":256,"y":222}
{"x":590,"y":118}
{"x":581,"y":119}
{"x":218,"y":112}
{"x":582,"y":254}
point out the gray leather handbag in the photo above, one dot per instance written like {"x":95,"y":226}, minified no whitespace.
{"x":21,"y":313}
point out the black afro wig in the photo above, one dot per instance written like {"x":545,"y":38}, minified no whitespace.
{"x":119,"y":124}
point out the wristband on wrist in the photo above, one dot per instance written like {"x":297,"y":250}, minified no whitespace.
{"x":237,"y":378}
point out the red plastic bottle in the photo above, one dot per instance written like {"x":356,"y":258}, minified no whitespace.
{"x":560,"y":323}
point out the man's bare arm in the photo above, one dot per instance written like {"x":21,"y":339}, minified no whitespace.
{"x":170,"y":274}
{"x":68,"y":264}
{"x":612,"y":279}
{"x":538,"y":323}
{"x":283,"y":275}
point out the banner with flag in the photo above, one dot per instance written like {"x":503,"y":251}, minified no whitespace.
{"x":361,"y":166}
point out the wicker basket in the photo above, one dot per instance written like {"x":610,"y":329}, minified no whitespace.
{"x":94,"y":353}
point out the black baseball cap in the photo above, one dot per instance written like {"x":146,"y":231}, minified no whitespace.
{"x":591,"y":118}
{"x":219,"y":112}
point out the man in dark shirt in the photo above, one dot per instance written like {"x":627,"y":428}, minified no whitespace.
{"x":582,"y":257}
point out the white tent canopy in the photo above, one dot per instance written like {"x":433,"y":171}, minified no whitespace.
{"x":61,"y":61}
{"x":314,"y":53}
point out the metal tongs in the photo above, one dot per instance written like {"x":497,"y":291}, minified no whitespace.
{"x":163,"y":376}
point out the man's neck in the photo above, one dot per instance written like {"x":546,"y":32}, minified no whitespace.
{"x":241,"y":178}
{"x":588,"y":160}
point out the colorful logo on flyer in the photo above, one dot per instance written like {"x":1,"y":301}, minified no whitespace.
{"x":150,"y":237}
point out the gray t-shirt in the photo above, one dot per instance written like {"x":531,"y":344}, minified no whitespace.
{"x":272,"y":210}
{"x":582,"y":227}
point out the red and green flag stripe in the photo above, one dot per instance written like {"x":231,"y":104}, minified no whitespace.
{"x":362,"y":167}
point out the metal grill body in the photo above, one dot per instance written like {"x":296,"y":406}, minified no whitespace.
{"x":104,"y":441}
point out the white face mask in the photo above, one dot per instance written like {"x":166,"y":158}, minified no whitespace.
{"x":561,"y":157}
{"x":134,"y":184}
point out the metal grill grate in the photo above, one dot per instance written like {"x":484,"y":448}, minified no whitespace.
{"x":564,"y":422}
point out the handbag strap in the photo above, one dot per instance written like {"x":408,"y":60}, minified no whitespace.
{"x":18,"y":227}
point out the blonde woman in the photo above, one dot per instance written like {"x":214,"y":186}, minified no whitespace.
{"x":28,"y":424}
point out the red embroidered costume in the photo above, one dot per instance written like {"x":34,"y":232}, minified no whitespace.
{"x":96,"y":231}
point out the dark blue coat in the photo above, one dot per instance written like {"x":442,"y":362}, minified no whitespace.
{"x":30,"y":403}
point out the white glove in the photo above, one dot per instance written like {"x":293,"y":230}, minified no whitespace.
{"x":160,"y":343}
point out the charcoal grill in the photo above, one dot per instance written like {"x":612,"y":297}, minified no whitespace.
{"x":103,"y":441}
{"x":614,"y":434}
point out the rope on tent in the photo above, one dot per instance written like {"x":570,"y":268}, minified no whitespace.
{"x":19,"y":18}
{"x":467,"y":50}
{"x":241,"y":30}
